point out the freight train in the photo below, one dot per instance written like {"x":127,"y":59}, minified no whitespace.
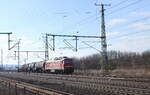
{"x":63,"y":65}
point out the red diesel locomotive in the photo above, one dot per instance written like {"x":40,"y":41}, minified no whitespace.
{"x":59,"y":65}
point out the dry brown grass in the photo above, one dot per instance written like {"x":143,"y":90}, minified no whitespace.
{"x":121,"y":72}
{"x":140,"y":72}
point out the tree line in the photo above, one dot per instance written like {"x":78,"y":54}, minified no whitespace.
{"x":116,"y":59}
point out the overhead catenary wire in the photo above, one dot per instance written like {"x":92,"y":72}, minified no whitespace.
{"x":145,"y":18}
{"x":120,"y":9}
{"x":118,"y":4}
{"x":137,"y":8}
{"x":133,"y":3}
{"x":91,"y":46}
{"x":137,"y":20}
{"x":83,"y":21}
{"x":134,"y":21}
{"x":129,"y":34}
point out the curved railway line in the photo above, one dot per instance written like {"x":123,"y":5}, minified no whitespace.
{"x":92,"y":85}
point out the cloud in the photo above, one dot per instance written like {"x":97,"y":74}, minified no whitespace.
{"x":116,"y":21}
{"x":137,"y":43}
{"x":109,"y":34}
{"x":146,"y":13}
{"x":28,"y":43}
{"x":140,"y":26}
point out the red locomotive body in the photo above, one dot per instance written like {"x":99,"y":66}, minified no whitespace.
{"x":63,"y":65}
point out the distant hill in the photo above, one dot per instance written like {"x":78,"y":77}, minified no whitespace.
{"x":9,"y":66}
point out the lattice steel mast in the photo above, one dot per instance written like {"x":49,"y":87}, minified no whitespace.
{"x":46,"y":48}
{"x":104,"y":66}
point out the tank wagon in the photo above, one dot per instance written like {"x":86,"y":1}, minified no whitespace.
{"x":59,"y":65}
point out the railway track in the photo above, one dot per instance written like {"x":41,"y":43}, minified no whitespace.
{"x":133,"y":79}
{"x":30,"y":87}
{"x":112,"y":86}
{"x":126,"y":82}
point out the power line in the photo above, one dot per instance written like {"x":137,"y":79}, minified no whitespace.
{"x":140,"y":7}
{"x":140,"y":19}
{"x":29,"y":51}
{"x":137,"y":20}
{"x":118,"y":4}
{"x":120,"y":9}
{"x":128,"y":34}
{"x":90,"y":46}
{"x":83,"y":25}
{"x":83,"y":21}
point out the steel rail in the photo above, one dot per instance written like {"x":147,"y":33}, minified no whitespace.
{"x":32,"y":87}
